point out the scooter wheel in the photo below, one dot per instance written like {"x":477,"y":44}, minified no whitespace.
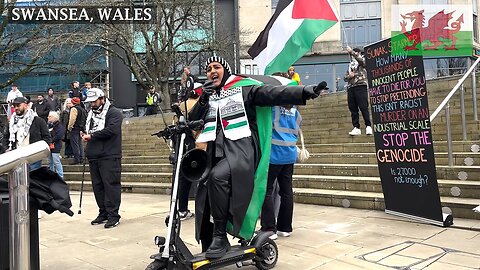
{"x":156,"y":265}
{"x":270,"y":255}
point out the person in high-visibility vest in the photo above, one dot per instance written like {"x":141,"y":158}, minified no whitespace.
{"x":283,"y":154}
{"x":152,"y":100}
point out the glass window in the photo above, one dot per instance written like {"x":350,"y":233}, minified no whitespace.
{"x":248,"y":69}
{"x":340,"y":84}
{"x":359,"y":33}
{"x":436,"y":68}
{"x":434,"y":2}
{"x":255,"y":69}
{"x":274,"y":5}
{"x":475,"y":28}
{"x":331,"y":73}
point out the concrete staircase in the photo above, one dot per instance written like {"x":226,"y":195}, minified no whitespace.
{"x":342,"y":170}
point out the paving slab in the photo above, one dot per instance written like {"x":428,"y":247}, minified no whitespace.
{"x":323,"y":238}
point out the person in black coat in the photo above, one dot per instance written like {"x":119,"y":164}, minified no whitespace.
{"x":57,"y":131}
{"x":228,"y":106}
{"x":24,"y":128}
{"x":54,"y":101}
{"x":104,"y":153}
{"x":41,"y":107}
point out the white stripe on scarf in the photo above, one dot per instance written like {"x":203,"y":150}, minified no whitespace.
{"x":97,"y":118}
{"x":19,"y":127}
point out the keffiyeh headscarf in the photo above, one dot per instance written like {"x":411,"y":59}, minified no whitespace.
{"x":19,"y":127}
{"x":96,"y":118}
{"x":226,"y":67}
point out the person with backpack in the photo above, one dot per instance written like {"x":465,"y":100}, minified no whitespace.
{"x":76,"y":124}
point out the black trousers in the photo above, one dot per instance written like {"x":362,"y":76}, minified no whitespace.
{"x":283,"y":175}
{"x":219,"y":185}
{"x":151,"y":110}
{"x":183,"y":193}
{"x":76,"y":144}
{"x":184,"y":185}
{"x":68,"y":148}
{"x":106,"y":176}
{"x":358,"y":99}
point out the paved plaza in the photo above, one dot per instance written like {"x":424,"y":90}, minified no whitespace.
{"x":323,"y":238}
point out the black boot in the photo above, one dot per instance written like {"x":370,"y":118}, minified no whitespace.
{"x":220,"y":244}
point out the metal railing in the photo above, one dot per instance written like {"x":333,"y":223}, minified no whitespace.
{"x":446,"y":104}
{"x":16,"y":164}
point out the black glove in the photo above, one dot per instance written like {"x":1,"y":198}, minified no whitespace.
{"x":206,"y":92}
{"x":310,"y":92}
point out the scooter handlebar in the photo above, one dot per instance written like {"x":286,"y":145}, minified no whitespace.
{"x":195,"y":125}
{"x":179,"y":128}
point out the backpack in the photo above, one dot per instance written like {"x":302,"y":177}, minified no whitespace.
{"x":81,"y":117}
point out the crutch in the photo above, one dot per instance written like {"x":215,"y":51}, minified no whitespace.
{"x":81,"y":185}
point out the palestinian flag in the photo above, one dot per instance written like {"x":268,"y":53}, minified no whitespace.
{"x":264,"y":124}
{"x":290,"y":33}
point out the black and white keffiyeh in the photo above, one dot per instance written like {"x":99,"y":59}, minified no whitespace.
{"x":19,"y":127}
{"x":96,"y":119}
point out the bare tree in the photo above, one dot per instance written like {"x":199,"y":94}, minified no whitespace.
{"x":25,"y":48}
{"x":155,"y":52}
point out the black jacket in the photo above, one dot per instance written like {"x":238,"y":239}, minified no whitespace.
{"x":242,"y":155}
{"x":38,"y":131}
{"x":81,"y":118}
{"x":42,"y":109}
{"x":57,"y":133}
{"x":48,"y":191}
{"x":107,"y":143}
{"x":54,"y":103}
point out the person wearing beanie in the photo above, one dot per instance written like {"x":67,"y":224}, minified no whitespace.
{"x":76,"y":124}
{"x":75,"y":91}
{"x":293,"y":75}
{"x":54,"y":101}
{"x":41,"y":107}
{"x":233,"y":108}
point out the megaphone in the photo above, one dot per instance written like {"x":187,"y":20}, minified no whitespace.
{"x":194,"y":165}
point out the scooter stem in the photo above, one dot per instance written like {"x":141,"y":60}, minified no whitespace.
{"x":173,"y":202}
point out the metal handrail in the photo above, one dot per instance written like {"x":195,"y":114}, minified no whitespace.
{"x":15,"y":162}
{"x":446,"y":104}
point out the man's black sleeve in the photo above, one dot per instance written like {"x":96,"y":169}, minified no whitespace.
{"x":44,"y":133}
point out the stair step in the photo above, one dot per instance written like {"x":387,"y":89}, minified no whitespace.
{"x":443,"y":172}
{"x":460,"y":207}
{"x":134,"y":177}
{"x":131,"y":187}
{"x":447,"y":188}
{"x":441,"y":158}
{"x":142,"y":168}
{"x":341,"y":166}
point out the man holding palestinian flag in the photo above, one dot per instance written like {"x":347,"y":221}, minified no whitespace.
{"x":238,"y":134}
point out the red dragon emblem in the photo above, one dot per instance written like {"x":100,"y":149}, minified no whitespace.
{"x":437,"y":32}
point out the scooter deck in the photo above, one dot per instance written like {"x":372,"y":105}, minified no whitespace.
{"x":235,"y":254}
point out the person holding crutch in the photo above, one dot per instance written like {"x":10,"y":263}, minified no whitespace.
{"x":104,"y":153}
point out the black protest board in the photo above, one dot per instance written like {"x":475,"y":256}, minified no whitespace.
{"x":403,"y":137}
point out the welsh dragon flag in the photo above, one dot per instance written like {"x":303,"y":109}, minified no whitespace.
{"x":290,"y":33}
{"x":432,"y":30}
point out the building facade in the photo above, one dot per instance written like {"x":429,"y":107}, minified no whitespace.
{"x":362,"y":22}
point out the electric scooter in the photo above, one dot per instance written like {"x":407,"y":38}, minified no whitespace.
{"x":260,"y":251}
